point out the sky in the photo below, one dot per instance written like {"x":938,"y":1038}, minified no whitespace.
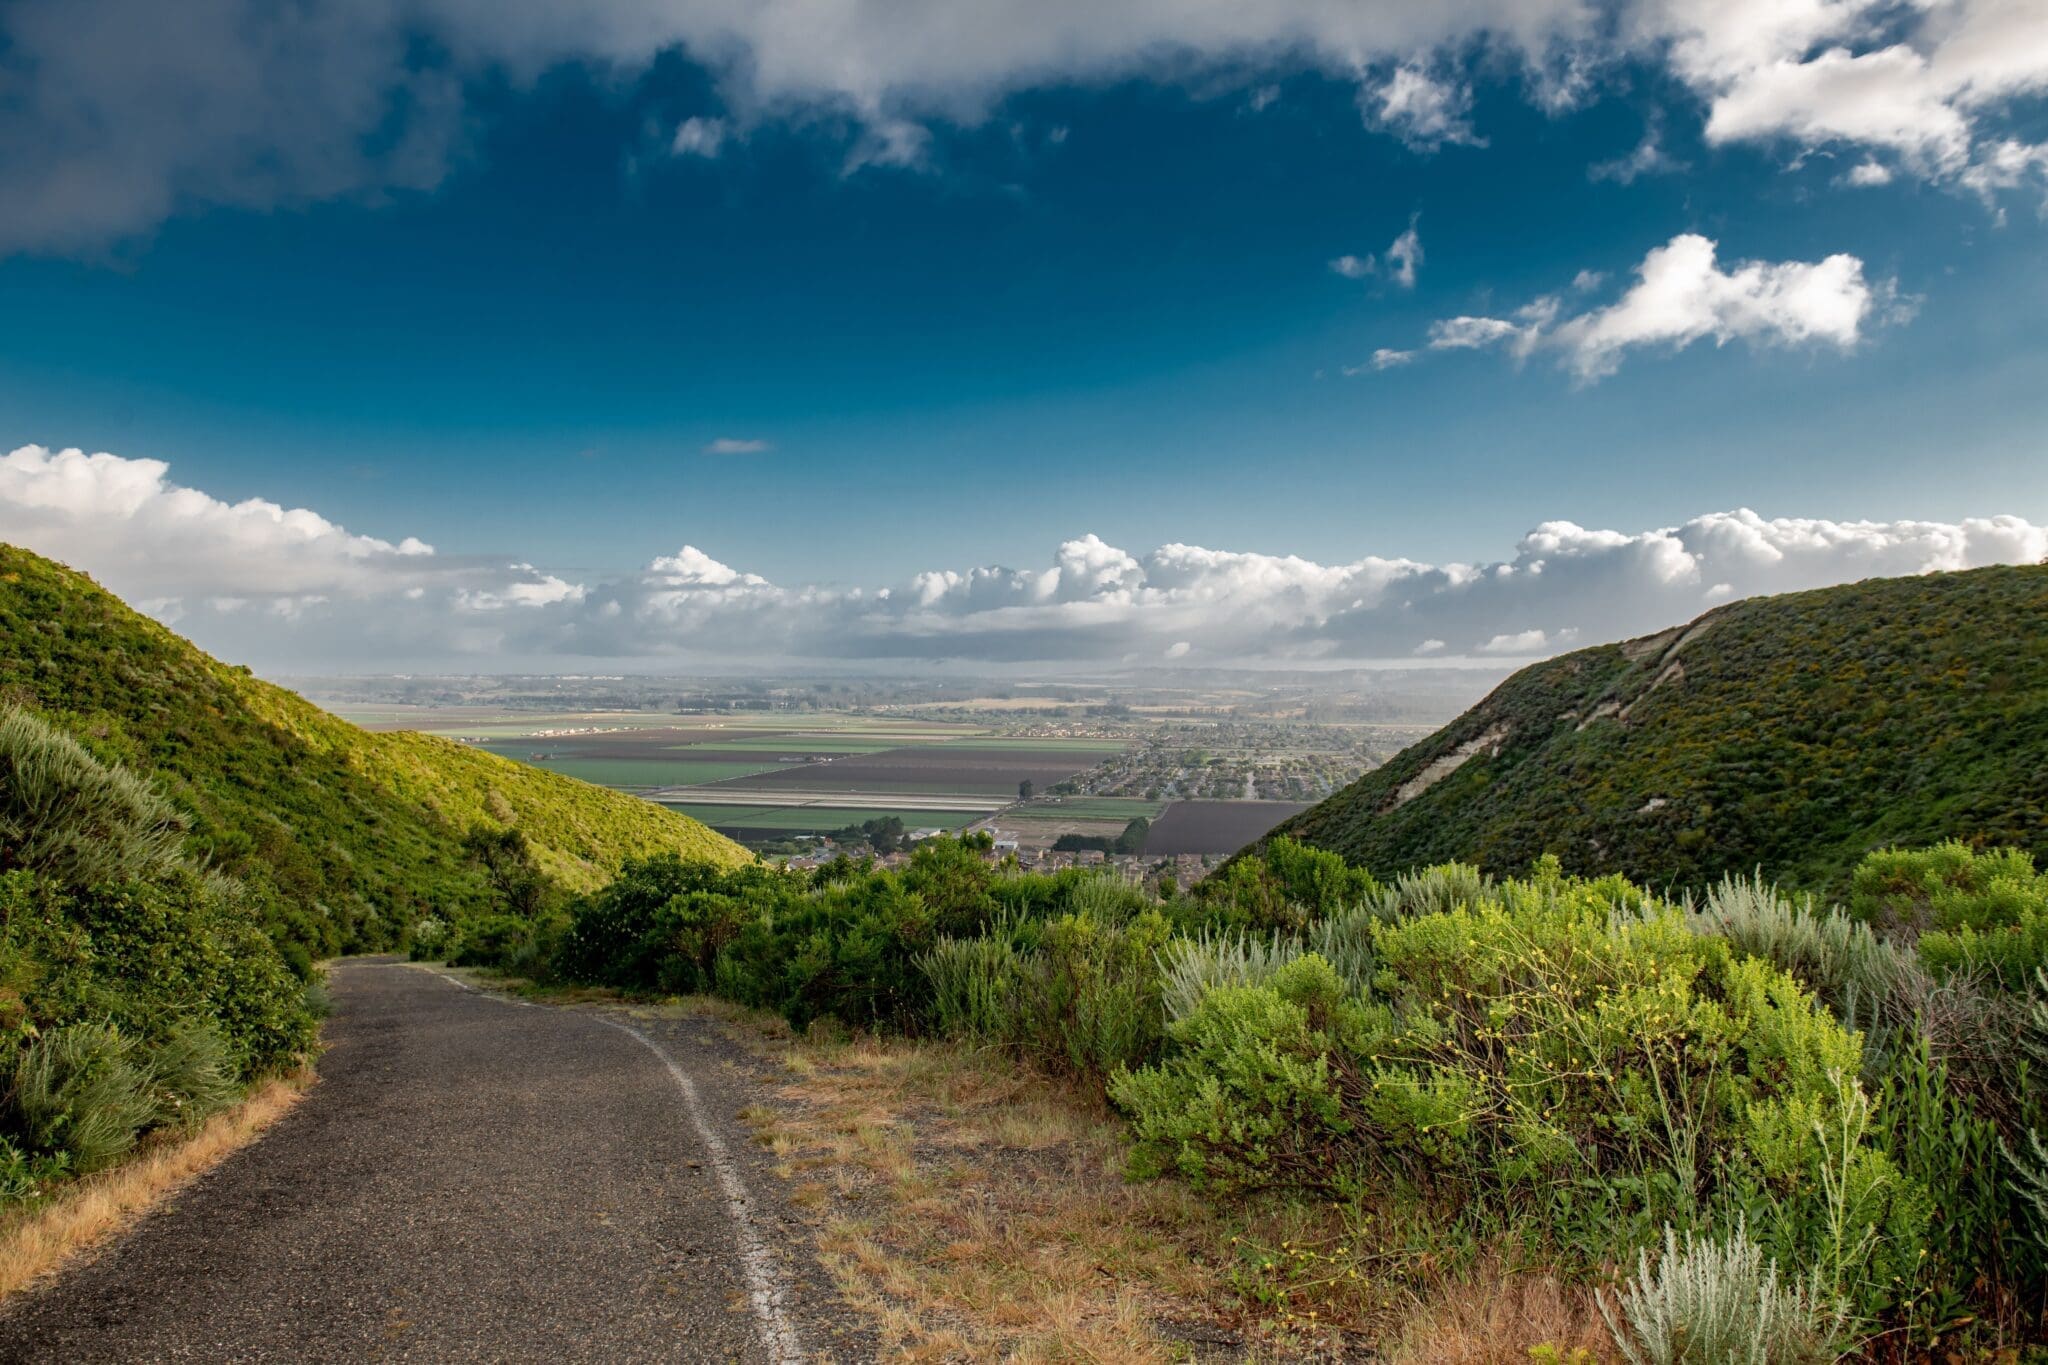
{"x":374,"y":335}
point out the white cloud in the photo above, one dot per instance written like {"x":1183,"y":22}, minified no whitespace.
{"x":192,"y":556}
{"x":1422,"y":110}
{"x":1404,"y":257}
{"x":1586,"y":281}
{"x":1469,"y":333}
{"x":1682,"y":295}
{"x":291,"y":589}
{"x":1386,"y":358}
{"x":1869,"y":173}
{"x":1522,"y":642}
{"x":1648,"y":158}
{"x":738,"y":445}
{"x":697,"y":136}
{"x":121,"y":113}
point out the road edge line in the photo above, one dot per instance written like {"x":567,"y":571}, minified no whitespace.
{"x":766,"y":1286}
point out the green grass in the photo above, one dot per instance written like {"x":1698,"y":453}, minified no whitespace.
{"x":1791,"y":733}
{"x":361,"y":830}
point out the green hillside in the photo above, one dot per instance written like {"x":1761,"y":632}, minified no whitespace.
{"x":1793,"y":733}
{"x":361,"y":833}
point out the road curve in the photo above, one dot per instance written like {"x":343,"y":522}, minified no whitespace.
{"x":470,"y":1180}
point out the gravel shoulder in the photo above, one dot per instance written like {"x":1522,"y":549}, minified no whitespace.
{"x":472,"y":1179}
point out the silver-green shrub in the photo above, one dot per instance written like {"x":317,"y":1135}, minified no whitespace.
{"x":71,"y":818}
{"x":1708,"y":1302}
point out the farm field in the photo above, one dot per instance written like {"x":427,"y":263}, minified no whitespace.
{"x":766,"y":776}
{"x":956,"y":769}
{"x":776,"y":821}
{"x":1098,"y":809}
{"x":1215,"y":826}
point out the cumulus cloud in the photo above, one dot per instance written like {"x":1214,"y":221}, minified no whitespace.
{"x":188,"y":554}
{"x":738,"y":445}
{"x":1354,"y":267}
{"x":291,"y":589}
{"x":1682,"y":295}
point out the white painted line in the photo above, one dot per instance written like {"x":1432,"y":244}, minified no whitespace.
{"x":765,"y":1284}
{"x":766,"y":1287}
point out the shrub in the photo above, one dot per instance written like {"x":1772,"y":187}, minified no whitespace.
{"x":67,"y":816}
{"x":192,"y":1072}
{"x":1710,"y":1302}
{"x":1263,"y":1089}
{"x":80,"y":1090}
{"x":1559,"y":1047}
{"x":1284,"y":885}
{"x":1973,"y":911}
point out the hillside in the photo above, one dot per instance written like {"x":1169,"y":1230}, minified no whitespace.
{"x":1792,"y":733}
{"x":362,"y":832}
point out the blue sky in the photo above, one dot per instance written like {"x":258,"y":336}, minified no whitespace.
{"x":1054,"y":301}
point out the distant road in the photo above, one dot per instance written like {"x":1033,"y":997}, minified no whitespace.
{"x":471,"y":1179}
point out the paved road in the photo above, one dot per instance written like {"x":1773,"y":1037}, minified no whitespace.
{"x":470,"y":1180}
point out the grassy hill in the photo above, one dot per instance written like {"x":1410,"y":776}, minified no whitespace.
{"x":1793,"y":733}
{"x":361,"y":832}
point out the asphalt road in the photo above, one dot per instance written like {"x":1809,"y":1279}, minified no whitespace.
{"x":471,"y":1179}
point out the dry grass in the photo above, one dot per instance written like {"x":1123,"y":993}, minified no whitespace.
{"x":1490,"y":1317}
{"x":976,"y":1209}
{"x":39,"y":1240}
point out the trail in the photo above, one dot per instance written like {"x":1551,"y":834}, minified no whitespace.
{"x":471,"y":1179}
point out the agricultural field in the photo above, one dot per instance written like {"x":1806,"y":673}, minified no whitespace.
{"x":1212,"y":771}
{"x":1214,"y":827}
{"x":767,"y":778}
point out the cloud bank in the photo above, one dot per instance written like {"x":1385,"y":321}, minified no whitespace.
{"x":289,"y":589}
{"x":116,"y":114}
{"x":1681,"y":295}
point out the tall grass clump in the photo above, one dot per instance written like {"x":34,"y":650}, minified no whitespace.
{"x":82,"y":1091}
{"x":67,"y":816}
{"x":1712,"y":1301}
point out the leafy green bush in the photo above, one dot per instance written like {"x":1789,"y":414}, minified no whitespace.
{"x":1974,"y":911}
{"x":1562,"y":1046}
{"x":1283,"y":885}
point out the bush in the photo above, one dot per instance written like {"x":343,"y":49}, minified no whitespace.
{"x":67,"y":816}
{"x":80,"y":1091}
{"x":1283,"y":885}
{"x":1560,"y":1049}
{"x":1716,"y":1303}
{"x":1974,"y":912}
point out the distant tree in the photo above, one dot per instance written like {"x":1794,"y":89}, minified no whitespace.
{"x":1025,"y":790}
{"x":509,"y":864}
